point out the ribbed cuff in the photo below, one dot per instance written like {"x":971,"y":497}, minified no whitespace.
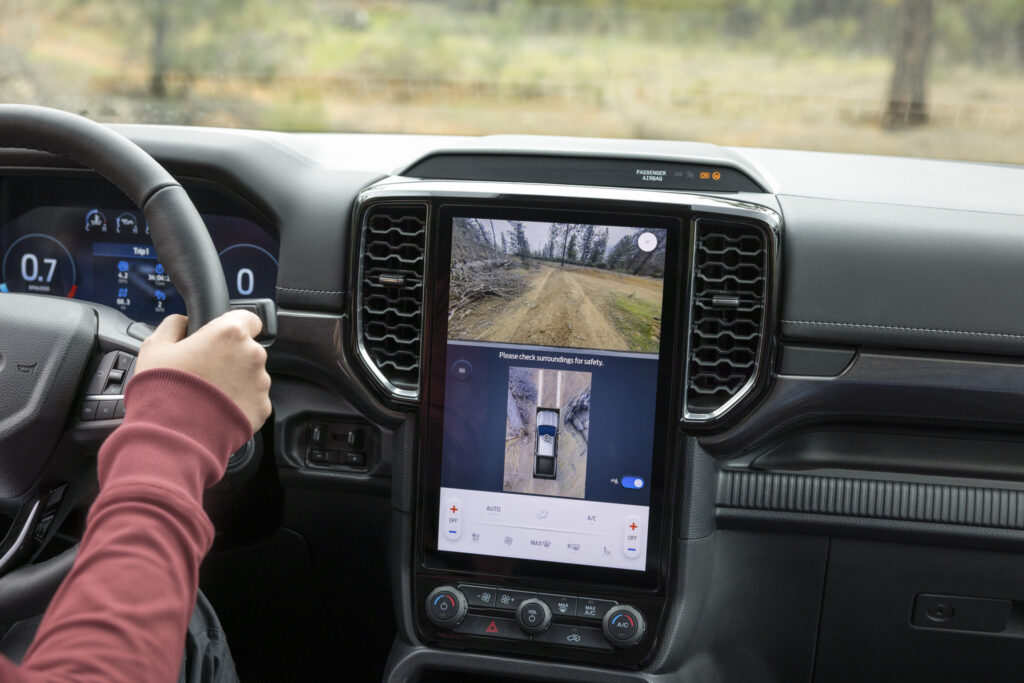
{"x":179,"y":431}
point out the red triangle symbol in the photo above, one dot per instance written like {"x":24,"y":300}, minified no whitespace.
{"x":493,"y":628}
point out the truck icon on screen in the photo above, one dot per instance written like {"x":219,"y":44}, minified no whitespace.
{"x":545,"y":464}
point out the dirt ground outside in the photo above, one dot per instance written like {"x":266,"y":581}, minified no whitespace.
{"x":567,"y":392}
{"x":569,"y":306}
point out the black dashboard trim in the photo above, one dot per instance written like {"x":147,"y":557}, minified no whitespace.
{"x":885,"y":387}
{"x":886,"y":275}
{"x":898,"y":500}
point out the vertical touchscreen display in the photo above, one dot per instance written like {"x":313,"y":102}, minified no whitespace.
{"x":554,"y":331}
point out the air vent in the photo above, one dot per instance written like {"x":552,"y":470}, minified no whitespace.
{"x":391,"y":295}
{"x":727,"y":316}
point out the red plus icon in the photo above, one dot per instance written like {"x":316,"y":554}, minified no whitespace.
{"x":633,"y":526}
{"x":453,"y":509}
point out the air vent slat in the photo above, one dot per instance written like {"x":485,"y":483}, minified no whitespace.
{"x":730,"y":262}
{"x":391,"y":301}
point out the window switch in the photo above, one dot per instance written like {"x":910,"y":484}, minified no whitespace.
{"x":317,"y":435}
{"x":355,"y":439}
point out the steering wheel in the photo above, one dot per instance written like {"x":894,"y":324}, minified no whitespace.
{"x":48,"y":343}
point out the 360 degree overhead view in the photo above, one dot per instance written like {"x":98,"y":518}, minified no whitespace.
{"x":639,"y":341}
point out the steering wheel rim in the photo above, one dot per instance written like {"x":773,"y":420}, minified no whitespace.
{"x":178,"y":232}
{"x":48,"y":342}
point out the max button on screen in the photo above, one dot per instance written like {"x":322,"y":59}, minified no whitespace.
{"x":632,"y":483}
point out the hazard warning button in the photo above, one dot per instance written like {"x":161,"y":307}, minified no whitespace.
{"x":493,"y":627}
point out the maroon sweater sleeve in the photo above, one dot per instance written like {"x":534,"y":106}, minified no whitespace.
{"x":122,"y":612}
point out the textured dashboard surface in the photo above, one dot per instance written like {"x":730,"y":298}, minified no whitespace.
{"x":895,"y":500}
{"x":899,"y":276}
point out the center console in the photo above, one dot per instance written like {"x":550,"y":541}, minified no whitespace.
{"x":556,"y":341}
{"x":546,"y":482}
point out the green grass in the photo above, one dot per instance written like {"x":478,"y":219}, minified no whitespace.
{"x":638,"y":322}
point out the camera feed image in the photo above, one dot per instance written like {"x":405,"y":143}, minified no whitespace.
{"x":557,"y":284}
{"x":546,"y":432}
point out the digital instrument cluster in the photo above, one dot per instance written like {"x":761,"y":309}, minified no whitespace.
{"x":79,"y":238}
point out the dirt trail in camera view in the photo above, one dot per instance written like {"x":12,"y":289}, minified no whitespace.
{"x":558,"y":309}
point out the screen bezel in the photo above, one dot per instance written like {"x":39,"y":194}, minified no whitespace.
{"x":433,"y":377}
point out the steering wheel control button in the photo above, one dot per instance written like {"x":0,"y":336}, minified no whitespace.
{"x":88,"y":411}
{"x":533,"y":615}
{"x":623,"y":626}
{"x":99,"y":379}
{"x":491,"y":627}
{"x":446,"y":607}
{"x":105,"y":410}
{"x":452,"y":519}
{"x":111,"y":375}
{"x":573,"y":636}
{"x":561,"y":605}
{"x":510,"y":599}
{"x":480,"y":596}
{"x":591,"y":608}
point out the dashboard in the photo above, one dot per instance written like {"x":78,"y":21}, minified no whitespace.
{"x":80,"y":238}
{"x":597,"y":409}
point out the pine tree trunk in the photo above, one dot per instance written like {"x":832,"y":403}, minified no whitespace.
{"x":160,"y":19}
{"x":908,"y":104}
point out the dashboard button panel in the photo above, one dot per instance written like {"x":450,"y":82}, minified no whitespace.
{"x":547,"y":619}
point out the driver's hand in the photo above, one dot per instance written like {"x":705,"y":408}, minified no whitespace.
{"x":222,"y":352}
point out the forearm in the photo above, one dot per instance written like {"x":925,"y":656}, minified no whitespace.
{"x":122,"y":612}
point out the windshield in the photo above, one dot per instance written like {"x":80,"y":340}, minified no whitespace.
{"x":932,"y":78}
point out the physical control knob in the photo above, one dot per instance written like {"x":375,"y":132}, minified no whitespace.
{"x":446,"y":606}
{"x":623,"y":626}
{"x":533,"y":615}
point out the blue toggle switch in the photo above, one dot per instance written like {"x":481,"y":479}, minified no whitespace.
{"x":632,"y":483}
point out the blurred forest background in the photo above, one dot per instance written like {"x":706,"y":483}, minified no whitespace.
{"x":939,"y":78}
